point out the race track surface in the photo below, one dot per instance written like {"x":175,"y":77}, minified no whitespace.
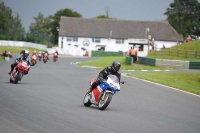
{"x":50,"y":100}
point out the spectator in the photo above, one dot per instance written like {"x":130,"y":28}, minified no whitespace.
{"x":130,"y":51}
{"x":140,"y":49}
{"x":163,"y":46}
{"x":133,"y":54}
{"x":86,"y":53}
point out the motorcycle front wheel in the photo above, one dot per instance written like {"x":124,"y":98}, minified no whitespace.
{"x":86,"y":100}
{"x":103,"y":103}
{"x":16,"y":79}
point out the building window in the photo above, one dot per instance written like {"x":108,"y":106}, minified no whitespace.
{"x":119,"y":41}
{"x":75,"y":45}
{"x":74,"y":39}
{"x":96,"y":40}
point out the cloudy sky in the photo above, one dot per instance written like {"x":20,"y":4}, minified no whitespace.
{"x":149,"y":10}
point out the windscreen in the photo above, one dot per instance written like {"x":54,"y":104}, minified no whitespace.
{"x":114,"y":78}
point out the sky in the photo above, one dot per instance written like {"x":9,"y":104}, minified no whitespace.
{"x":147,"y":10}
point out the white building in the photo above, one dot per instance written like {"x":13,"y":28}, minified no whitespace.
{"x":78,"y":34}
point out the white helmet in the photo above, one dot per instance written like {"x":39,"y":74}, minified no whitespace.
{"x":26,"y":53}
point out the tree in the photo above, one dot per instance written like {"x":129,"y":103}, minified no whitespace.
{"x":17,"y":31}
{"x":56,"y":19}
{"x":102,"y":16}
{"x":41,"y":24}
{"x":107,"y":16}
{"x":6,"y":19}
{"x":184,"y":16}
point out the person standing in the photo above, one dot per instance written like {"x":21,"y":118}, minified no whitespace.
{"x":133,"y":54}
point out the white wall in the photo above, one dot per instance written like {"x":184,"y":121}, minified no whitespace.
{"x":22,"y":44}
{"x":109,"y":43}
{"x":159,"y":44}
{"x":31,"y":45}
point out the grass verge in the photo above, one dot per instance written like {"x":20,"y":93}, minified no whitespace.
{"x":2,"y":59}
{"x":102,"y":62}
{"x":189,"y":82}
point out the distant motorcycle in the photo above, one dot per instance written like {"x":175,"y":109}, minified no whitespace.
{"x":18,"y":72}
{"x":40,"y":57}
{"x":33,"y":60}
{"x":45,"y":57}
{"x":101,"y":95}
{"x":55,"y":57}
{"x":8,"y":54}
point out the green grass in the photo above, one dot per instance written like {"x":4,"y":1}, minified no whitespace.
{"x":102,"y":62}
{"x":179,"y":50}
{"x":2,"y":59}
{"x":16,"y":50}
{"x":189,"y":82}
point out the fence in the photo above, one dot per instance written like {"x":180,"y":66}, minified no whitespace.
{"x":167,"y":63}
{"x":104,"y":53}
{"x":179,"y":53}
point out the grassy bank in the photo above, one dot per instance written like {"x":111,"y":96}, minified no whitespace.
{"x":179,"y":52}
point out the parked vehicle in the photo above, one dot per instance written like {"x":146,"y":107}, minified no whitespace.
{"x":101,"y":96}
{"x":18,"y":72}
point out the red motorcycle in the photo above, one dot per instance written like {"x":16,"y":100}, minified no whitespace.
{"x":45,"y":57}
{"x":18,"y":72}
{"x":55,"y":57}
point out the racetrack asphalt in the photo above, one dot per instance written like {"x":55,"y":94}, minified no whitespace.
{"x":50,"y":100}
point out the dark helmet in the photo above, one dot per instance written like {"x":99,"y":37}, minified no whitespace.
{"x":115,"y":66}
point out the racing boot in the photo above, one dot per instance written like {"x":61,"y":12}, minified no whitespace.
{"x":89,"y":90}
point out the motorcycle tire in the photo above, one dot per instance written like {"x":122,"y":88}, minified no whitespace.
{"x":11,"y":81}
{"x":16,"y":79}
{"x":86,"y":100}
{"x":104,"y":103}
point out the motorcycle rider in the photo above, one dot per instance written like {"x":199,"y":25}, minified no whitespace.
{"x":40,"y":54}
{"x":113,"y":69}
{"x":34,"y":53}
{"x":23,"y":56}
{"x":56,"y":52}
{"x":47,"y":54}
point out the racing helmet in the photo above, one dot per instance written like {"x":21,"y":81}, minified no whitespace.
{"x":116,"y":66}
{"x":26,"y":53}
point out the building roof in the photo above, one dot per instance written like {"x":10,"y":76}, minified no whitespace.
{"x":113,"y":28}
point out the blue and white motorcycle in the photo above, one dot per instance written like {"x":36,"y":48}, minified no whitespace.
{"x":101,"y":96}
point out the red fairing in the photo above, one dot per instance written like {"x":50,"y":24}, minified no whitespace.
{"x":22,"y":66}
{"x":96,"y":94}
{"x":93,"y":80}
{"x":55,"y":55}
{"x":45,"y":56}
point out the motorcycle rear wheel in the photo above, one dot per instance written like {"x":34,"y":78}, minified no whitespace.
{"x":86,"y":100}
{"x":104,"y":103}
{"x":11,"y":81}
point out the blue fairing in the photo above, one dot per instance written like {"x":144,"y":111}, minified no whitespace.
{"x":104,"y":86}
